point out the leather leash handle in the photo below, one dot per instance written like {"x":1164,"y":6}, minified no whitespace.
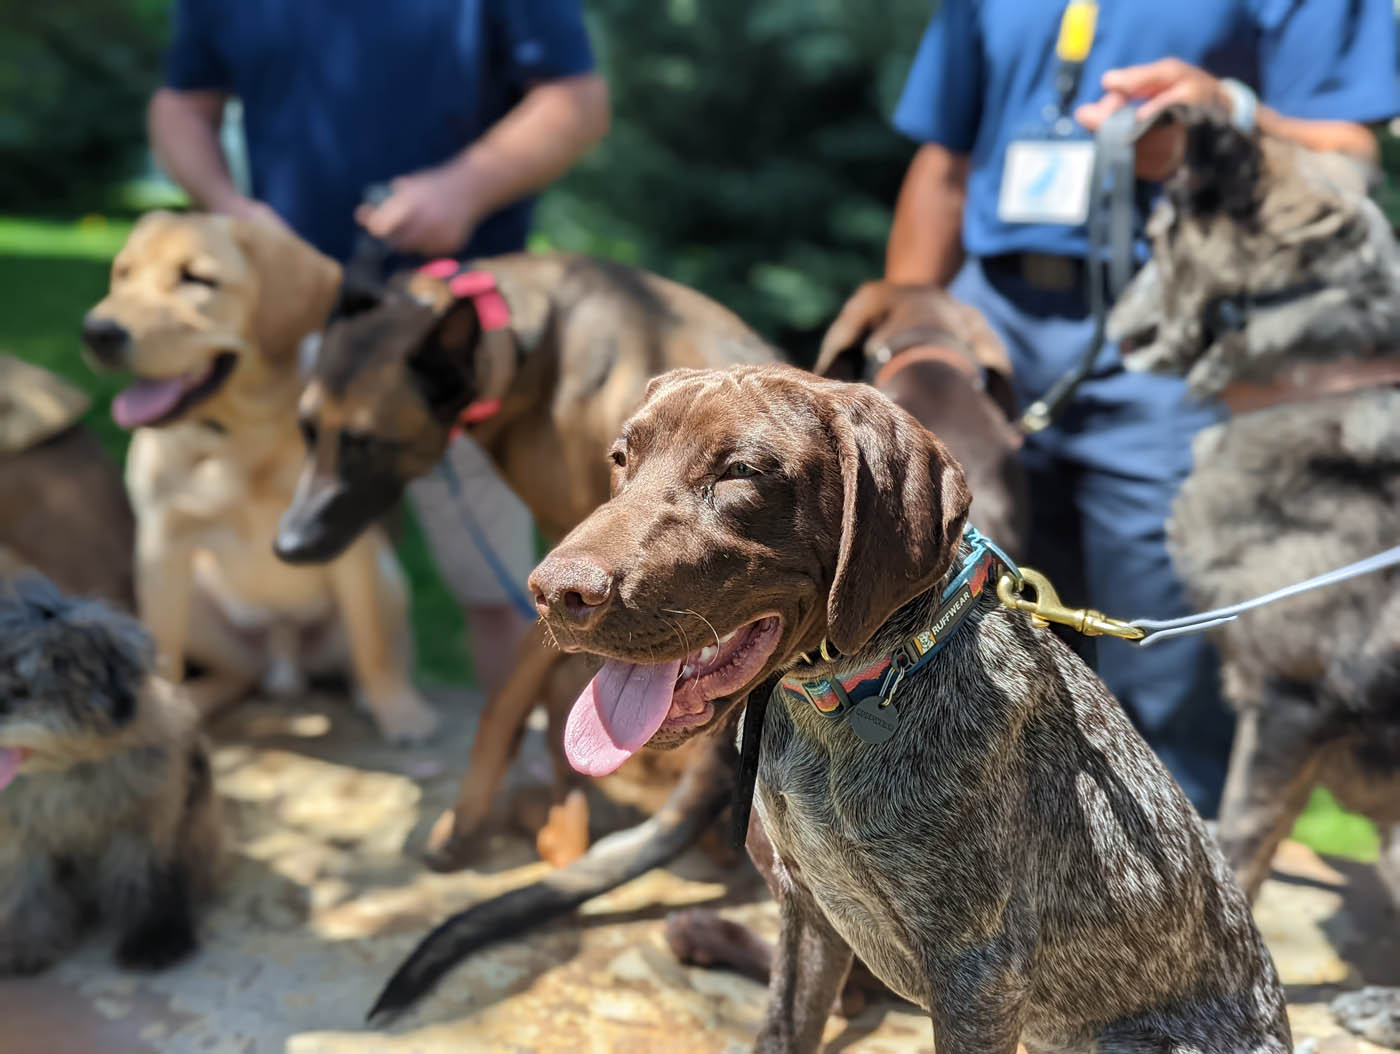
{"x":1111,"y":218}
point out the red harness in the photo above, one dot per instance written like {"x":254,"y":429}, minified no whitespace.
{"x":491,"y":311}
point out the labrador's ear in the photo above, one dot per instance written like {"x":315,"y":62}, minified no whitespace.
{"x":842,"y":353}
{"x":904,"y":506}
{"x":296,"y":286}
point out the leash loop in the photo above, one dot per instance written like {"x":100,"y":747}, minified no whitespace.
{"x":1046,"y":608}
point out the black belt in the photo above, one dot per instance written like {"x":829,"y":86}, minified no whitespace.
{"x":1043,"y":271}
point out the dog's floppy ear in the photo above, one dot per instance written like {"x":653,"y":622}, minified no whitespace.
{"x":842,"y":352}
{"x":904,"y":505}
{"x":296,"y":285}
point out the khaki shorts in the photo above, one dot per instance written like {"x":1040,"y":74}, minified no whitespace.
{"x":501,"y":516}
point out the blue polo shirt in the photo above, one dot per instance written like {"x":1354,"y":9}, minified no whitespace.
{"x":985,"y":73}
{"x":339,"y":94}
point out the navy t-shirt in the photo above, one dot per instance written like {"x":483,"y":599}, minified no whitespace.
{"x":339,"y":94}
{"x":985,"y":73}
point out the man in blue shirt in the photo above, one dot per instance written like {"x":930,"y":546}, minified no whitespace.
{"x":1106,"y":470}
{"x":465,"y":107}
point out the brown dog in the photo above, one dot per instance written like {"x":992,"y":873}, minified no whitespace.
{"x":65,"y":510}
{"x":207,"y":312}
{"x":395,"y":370}
{"x":938,"y":360}
{"x":987,"y":830}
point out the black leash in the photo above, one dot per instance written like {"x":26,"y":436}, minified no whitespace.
{"x":1111,"y":215}
{"x":756,"y":706}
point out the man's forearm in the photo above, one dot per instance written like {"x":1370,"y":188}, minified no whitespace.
{"x":535,"y":143}
{"x":184,"y":134}
{"x":1341,"y":137}
{"x":925,"y":244}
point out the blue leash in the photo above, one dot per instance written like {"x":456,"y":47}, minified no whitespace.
{"x":522,"y":603}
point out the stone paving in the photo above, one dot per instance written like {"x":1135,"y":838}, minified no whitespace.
{"x":325,"y":895}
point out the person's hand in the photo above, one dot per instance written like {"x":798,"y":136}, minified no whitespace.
{"x":1160,"y":84}
{"x":246,"y":208}
{"x":428,"y":213}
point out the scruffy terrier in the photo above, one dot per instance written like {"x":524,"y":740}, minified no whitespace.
{"x":107,"y":806}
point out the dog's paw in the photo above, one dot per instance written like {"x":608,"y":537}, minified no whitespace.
{"x":446,"y":850}
{"x":20,"y":961}
{"x":404,"y":720}
{"x":1373,"y":1013}
{"x":158,"y":945}
{"x":564,"y":837}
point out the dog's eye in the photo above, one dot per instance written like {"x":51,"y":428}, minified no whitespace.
{"x":360,"y":452}
{"x":739,"y":470}
{"x":188,"y":277}
{"x":308,"y":433}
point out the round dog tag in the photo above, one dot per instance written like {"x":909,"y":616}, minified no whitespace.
{"x":872,"y":722}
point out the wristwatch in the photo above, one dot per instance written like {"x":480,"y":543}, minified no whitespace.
{"x":1244,"y":104}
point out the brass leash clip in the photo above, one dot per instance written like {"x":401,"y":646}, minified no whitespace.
{"x":1046,"y":607}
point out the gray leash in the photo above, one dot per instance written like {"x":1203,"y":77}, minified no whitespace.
{"x":1164,"y":629}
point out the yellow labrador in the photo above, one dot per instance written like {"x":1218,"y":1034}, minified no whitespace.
{"x":207,"y":312}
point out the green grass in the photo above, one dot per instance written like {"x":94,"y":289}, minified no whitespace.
{"x":51,"y":273}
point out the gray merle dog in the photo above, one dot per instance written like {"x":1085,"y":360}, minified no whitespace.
{"x":1275,"y":285}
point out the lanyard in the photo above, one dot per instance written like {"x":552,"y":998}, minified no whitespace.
{"x":1077,"y":27}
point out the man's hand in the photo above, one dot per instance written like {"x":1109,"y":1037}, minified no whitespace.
{"x":249,"y":209}
{"x":428,"y":212}
{"x":1160,"y":84}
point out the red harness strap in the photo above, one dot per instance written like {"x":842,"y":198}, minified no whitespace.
{"x":491,"y":311}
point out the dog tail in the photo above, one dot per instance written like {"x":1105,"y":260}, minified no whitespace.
{"x":700,"y":797}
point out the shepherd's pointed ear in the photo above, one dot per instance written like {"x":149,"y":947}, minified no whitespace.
{"x":444,"y":361}
{"x":904,"y":505}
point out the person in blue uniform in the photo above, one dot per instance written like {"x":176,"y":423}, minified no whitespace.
{"x":987,"y":84}
{"x":465,"y":108}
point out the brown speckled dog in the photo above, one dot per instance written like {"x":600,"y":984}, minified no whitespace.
{"x":106,"y":798}
{"x":1013,"y":858}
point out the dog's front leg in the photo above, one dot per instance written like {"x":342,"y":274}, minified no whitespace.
{"x":978,"y":1001}
{"x":810,"y":961}
{"x":1273,"y":766}
{"x":165,"y":588}
{"x":149,"y":897}
{"x":372,"y":601}
{"x":40,"y":919}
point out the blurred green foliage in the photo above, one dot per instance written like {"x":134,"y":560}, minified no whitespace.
{"x":751,"y":154}
{"x":74,"y":78}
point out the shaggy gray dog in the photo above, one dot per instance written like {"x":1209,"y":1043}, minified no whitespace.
{"x":106,"y":798}
{"x":1275,"y":284}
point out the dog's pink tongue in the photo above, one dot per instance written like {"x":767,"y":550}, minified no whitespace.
{"x":10,"y":761}
{"x":621,"y":709}
{"x":147,"y":401}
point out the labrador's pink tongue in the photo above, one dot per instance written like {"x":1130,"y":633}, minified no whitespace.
{"x":621,"y":709}
{"x":10,"y":761}
{"x":147,"y":401}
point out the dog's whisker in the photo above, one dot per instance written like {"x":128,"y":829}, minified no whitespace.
{"x":702,"y":618}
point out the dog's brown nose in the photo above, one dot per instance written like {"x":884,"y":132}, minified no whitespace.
{"x":106,"y":337}
{"x":574,"y":590}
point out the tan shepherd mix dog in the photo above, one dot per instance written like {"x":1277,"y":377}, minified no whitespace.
{"x":207,"y":312}
{"x":397,"y":366}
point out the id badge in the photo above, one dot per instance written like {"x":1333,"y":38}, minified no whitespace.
{"x":1047,"y":181}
